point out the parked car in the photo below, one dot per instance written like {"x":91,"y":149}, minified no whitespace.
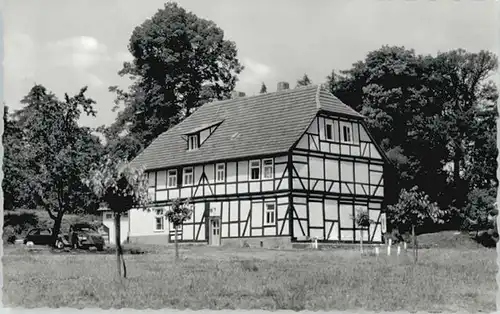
{"x":84,"y":235}
{"x":43,"y":236}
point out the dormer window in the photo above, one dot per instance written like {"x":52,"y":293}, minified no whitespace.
{"x":198,"y":135}
{"x":193,"y":142}
{"x":346,"y":132}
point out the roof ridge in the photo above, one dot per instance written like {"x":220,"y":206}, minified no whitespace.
{"x":264,"y":95}
{"x":292,"y":111}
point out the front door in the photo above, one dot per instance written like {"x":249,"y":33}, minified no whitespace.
{"x":214,"y":231}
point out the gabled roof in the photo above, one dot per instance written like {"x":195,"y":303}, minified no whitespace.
{"x":251,"y":126}
{"x":203,"y":127}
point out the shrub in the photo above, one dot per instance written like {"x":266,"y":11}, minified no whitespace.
{"x":413,"y":210}
{"x":480,"y":203}
{"x":9,"y":235}
{"x":22,"y":220}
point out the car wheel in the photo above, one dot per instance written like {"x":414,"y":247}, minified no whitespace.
{"x":100,"y":247}
{"x":59,"y":244}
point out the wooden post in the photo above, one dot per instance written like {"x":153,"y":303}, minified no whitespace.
{"x":376,"y":250}
{"x":415,"y":248}
{"x":176,"y":244}
{"x":314,"y":243}
{"x":399,"y":249}
{"x":361,"y":240}
{"x":389,"y":247}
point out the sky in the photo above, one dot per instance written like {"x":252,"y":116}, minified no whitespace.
{"x":66,"y":45}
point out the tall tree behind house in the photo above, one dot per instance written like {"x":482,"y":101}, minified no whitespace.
{"x":180,"y":62}
{"x":427,"y":114}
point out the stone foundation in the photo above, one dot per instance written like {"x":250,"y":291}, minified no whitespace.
{"x":257,"y":242}
{"x":155,"y":239}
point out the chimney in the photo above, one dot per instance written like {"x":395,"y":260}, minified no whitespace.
{"x":283,"y":86}
{"x":236,"y":94}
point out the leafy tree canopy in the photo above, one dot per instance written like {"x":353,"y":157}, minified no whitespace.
{"x":428,"y":112}
{"x":304,"y":81}
{"x":263,"y":88}
{"x":56,"y":151}
{"x":180,"y":62}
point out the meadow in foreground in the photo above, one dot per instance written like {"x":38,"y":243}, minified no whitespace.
{"x":219,"y":278}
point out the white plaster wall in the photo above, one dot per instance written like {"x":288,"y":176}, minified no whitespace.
{"x":124,"y":228}
{"x":142,"y":223}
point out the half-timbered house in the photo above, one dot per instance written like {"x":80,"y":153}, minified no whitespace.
{"x":286,"y":166}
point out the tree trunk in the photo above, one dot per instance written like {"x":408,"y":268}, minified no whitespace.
{"x":118,"y":244}
{"x":415,"y":245}
{"x":176,"y":244}
{"x":361,"y":241}
{"x":57,"y":228}
{"x":458,"y":197}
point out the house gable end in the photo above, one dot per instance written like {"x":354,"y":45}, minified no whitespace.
{"x":256,"y":125}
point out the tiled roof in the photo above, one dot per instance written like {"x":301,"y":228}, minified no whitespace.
{"x":251,"y":126}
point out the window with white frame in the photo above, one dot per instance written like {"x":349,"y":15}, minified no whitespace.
{"x":270,"y":214}
{"x":267,"y":168}
{"x":172,"y":178}
{"x":188,"y":176}
{"x":329,"y":130}
{"x":221,"y":173}
{"x":346,"y":135}
{"x":108,"y":215}
{"x":159,"y":220}
{"x":193,"y":142}
{"x":255,"y":170}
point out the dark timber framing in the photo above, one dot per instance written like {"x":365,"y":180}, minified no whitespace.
{"x":308,"y":201}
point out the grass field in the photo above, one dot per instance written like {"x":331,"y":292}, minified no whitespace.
{"x":447,"y":279}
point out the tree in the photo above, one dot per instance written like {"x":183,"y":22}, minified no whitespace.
{"x":15,"y":165}
{"x":180,"y":62}
{"x":362,"y":220}
{"x":58,"y":151}
{"x":412,"y":210}
{"x":493,"y":229}
{"x":304,"y":81}
{"x":388,"y":87}
{"x":466,"y":97}
{"x":263,"y":88}
{"x":428,"y":112}
{"x":122,"y":188}
{"x":480,"y":205}
{"x":177,"y":214}
{"x":480,"y":161}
